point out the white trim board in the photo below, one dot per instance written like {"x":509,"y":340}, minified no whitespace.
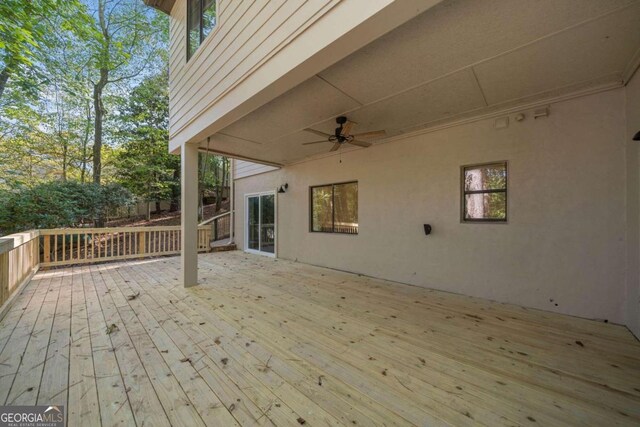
{"x":275,"y":223}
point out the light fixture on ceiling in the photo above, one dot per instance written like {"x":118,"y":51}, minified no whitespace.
{"x":283,"y":188}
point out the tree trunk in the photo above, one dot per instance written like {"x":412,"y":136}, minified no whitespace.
{"x":85,"y":143}
{"x":218,"y":196}
{"x":158,"y":210}
{"x":201,"y":183}
{"x":97,"y":138}
{"x":4,"y":77}
{"x":175,"y":193}
{"x":65,"y":154}
{"x":98,"y":106}
{"x":221,"y":184}
{"x":99,"y":115}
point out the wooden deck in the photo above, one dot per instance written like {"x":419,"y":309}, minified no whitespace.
{"x":271,"y":342}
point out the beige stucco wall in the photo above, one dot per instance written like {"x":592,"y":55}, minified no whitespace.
{"x":565,"y":242}
{"x":632,"y":98}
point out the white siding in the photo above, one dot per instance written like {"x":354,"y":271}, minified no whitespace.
{"x":248,"y":32}
{"x":243,"y":169}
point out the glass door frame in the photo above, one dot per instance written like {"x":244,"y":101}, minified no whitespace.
{"x":275,"y":222}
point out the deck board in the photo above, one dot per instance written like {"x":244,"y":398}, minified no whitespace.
{"x":13,"y":353}
{"x":81,"y":384}
{"x":273,"y":342}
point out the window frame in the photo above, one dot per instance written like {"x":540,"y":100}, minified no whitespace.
{"x":333,"y":208}
{"x":464,"y":193}
{"x":200,"y":15}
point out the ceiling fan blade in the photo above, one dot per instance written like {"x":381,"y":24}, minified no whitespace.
{"x":336,"y":146}
{"x":360,"y":143}
{"x":315,"y":142}
{"x":346,"y":128}
{"x":372,"y":134}
{"x":317,"y":132}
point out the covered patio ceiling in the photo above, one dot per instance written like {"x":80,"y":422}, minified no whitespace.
{"x":460,"y":59}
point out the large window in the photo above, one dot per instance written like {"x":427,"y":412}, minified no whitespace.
{"x":484,"y":192}
{"x":202,"y":18}
{"x":334,"y":208}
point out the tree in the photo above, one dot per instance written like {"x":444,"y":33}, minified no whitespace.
{"x":59,"y":60}
{"x":213,"y":173}
{"x":42,"y":112}
{"x":58,"y":204}
{"x":124,"y":45}
{"x":144,"y":164}
{"x":24,"y":27}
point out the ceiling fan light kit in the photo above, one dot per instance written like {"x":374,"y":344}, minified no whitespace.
{"x":342,"y":135}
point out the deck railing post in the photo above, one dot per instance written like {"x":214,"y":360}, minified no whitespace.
{"x":47,"y":248}
{"x":141,"y":242}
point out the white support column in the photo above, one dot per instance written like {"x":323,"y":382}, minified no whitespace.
{"x":189,"y":213}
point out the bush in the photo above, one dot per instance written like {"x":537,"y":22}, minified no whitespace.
{"x":57,"y":205}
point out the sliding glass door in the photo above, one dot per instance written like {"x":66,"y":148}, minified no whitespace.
{"x":260,"y":230}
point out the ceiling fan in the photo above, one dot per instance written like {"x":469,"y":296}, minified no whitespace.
{"x":343,"y":135}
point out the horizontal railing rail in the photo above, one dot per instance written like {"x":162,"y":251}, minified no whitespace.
{"x":213,"y":218}
{"x":66,"y":246}
{"x":19,"y":260}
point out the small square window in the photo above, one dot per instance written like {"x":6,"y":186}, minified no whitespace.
{"x":484,"y":192}
{"x":334,"y":208}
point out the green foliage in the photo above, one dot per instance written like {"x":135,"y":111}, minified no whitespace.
{"x":58,"y":204}
{"x":53,"y":55}
{"x":143,"y":162}
{"x":28,"y":30}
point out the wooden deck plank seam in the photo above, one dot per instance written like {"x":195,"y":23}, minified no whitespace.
{"x":231,"y":357}
{"x":146,"y":334}
{"x":88,"y":275}
{"x":171,"y":338}
{"x":93,"y":360}
{"x":46,"y":357}
{"x":284,"y":311}
{"x":191,"y":297}
{"x":31,"y":334}
{"x":153,"y":295}
{"x":118,"y":361}
{"x":15,"y":308}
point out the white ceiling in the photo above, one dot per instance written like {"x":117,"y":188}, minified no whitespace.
{"x":461,"y":57}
